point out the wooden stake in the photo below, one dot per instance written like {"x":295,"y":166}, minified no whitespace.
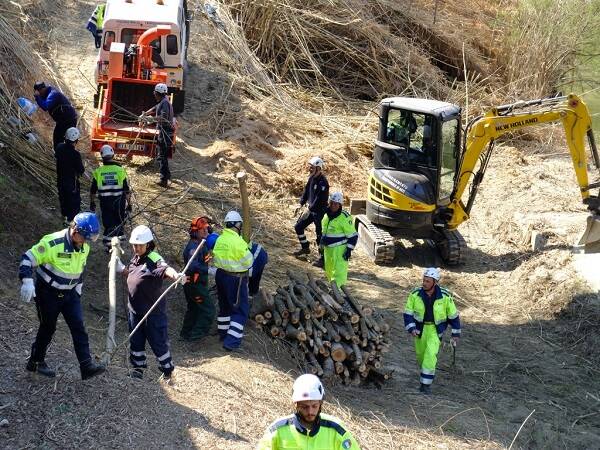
{"x":246,"y":224}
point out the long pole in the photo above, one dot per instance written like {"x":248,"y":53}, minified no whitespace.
{"x":246,"y":225}
{"x":112,"y":298}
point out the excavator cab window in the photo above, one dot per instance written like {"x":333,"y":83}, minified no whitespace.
{"x":414,"y":133}
{"x":450,"y":144}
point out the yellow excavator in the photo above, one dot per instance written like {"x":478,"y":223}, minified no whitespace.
{"x":423,"y":163}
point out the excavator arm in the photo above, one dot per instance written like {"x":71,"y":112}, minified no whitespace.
{"x":483,"y":131}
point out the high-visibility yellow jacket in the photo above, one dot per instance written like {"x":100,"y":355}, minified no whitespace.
{"x":287,"y":433}
{"x":110,"y":180}
{"x":444,"y":311}
{"x":339,"y":231}
{"x":59,"y":264}
{"x":231,"y":252}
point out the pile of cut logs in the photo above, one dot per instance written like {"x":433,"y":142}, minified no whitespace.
{"x":337,"y":336}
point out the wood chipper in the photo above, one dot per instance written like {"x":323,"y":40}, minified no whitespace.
{"x":128,"y":93}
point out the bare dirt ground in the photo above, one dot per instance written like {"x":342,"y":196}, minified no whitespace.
{"x":528,"y":356}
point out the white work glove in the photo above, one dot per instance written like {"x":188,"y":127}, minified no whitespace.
{"x":27,"y":290}
{"x":182,"y":278}
{"x":120,"y":266}
{"x":212,"y":271}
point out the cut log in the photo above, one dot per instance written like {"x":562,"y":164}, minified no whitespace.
{"x":275,"y":331}
{"x":357,"y":307}
{"x":319,"y":325}
{"x":308,"y":326}
{"x":339,"y":368}
{"x":281,"y":308}
{"x":364,"y":331}
{"x":343,"y":331}
{"x":323,"y":296}
{"x":337,"y":352}
{"x":295,"y":316}
{"x":261,"y":303}
{"x":332,"y":332}
{"x":314,"y":363}
{"x":372,"y":324}
{"x":357,"y":354}
{"x":296,"y":300}
{"x":295,"y":333}
{"x":276,"y":318}
{"x":337,"y":294}
{"x":328,"y":368}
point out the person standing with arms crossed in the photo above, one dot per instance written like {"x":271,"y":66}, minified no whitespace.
{"x":316,"y":193}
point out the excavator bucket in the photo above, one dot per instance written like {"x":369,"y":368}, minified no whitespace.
{"x":591,"y":236}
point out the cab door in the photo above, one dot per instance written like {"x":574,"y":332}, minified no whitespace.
{"x":449,"y":154}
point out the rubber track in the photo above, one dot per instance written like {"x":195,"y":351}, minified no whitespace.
{"x":379,"y":244}
{"x":452,"y":247}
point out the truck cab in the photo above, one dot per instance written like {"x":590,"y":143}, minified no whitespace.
{"x":126,"y":20}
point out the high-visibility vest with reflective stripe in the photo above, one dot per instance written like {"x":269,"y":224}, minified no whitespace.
{"x":339,"y":231}
{"x":58,"y":263}
{"x":231,"y":252}
{"x":288,"y":433}
{"x":110,"y":179}
{"x":96,"y":21}
{"x":444,"y":312}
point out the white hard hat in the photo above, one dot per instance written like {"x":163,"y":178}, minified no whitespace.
{"x":432,"y":272}
{"x":72,"y":134}
{"x":336,"y":197}
{"x":316,"y":161}
{"x":307,"y":387}
{"x":106,"y":151}
{"x":233,"y":216}
{"x":141,"y":235}
{"x":161,"y":88}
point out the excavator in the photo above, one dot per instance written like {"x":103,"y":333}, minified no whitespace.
{"x":424,"y":163}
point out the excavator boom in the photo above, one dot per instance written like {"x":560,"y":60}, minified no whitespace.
{"x":575,"y":118}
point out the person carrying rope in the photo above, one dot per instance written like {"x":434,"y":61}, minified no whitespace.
{"x":145,"y":273}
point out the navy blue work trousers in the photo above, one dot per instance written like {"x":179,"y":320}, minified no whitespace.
{"x":232,"y":291}
{"x":154,"y":330}
{"x":50,"y":303}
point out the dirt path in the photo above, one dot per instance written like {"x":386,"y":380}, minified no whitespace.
{"x":527,"y":347}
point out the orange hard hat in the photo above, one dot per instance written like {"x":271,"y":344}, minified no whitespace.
{"x":199,"y":223}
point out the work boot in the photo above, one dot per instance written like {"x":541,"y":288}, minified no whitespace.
{"x":91,"y":370}
{"x":168,"y":378}
{"x":162,"y":183}
{"x":425,"y":389}
{"x":304,"y":250}
{"x":40,"y":367}
{"x":319,"y":263}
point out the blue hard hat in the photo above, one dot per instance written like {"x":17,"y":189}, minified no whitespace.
{"x":211,"y":239}
{"x":86,"y":224}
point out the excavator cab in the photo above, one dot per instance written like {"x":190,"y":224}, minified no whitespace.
{"x":415,"y":161}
